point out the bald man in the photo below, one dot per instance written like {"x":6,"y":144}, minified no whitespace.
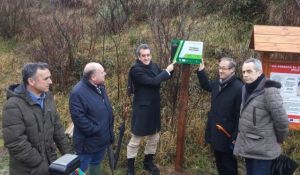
{"x":92,"y":116}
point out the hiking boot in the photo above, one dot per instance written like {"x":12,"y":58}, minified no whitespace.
{"x":130,"y":166}
{"x":149,"y":165}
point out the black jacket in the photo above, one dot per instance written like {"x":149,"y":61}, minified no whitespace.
{"x":146,"y":101}
{"x":225,"y":109}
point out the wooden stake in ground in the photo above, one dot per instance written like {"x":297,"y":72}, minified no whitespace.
{"x":183,"y":105}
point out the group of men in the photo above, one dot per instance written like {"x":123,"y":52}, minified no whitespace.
{"x":246,"y":119}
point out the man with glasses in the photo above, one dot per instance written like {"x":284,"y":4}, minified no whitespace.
{"x":222,"y":122}
{"x":92,"y":116}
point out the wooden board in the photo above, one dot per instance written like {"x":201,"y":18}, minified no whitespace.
{"x":276,"y":39}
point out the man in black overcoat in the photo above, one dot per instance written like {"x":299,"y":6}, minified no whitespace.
{"x":146,"y":78}
{"x":222,"y":122}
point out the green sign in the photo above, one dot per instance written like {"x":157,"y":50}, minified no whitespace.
{"x":186,"y":52}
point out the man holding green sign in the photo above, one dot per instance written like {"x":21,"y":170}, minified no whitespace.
{"x":222,"y":122}
{"x":144,"y":80}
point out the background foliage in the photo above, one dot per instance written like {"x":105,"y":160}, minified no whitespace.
{"x":69,"y":33}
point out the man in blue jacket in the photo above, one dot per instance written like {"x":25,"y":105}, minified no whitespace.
{"x":92,"y":116}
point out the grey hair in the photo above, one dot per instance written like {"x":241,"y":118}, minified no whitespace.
{"x":257,"y":63}
{"x":140,"y":47}
{"x":29,"y":70}
{"x":89,"y":70}
{"x":232,"y":63}
{"x":88,"y":74}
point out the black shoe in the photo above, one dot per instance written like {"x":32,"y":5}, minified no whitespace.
{"x":149,"y":165}
{"x":130,"y":166}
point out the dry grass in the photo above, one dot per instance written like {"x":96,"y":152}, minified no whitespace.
{"x":9,"y":73}
{"x":198,"y":158}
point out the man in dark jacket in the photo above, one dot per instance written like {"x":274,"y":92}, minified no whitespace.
{"x":263,"y":124}
{"x":146,"y":78}
{"x":31,"y":124}
{"x":92,"y":116}
{"x":222,"y":122}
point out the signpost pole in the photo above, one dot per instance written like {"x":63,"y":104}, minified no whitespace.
{"x":183,"y":106}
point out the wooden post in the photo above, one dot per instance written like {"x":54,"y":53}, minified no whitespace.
{"x":266,"y":63}
{"x":183,"y":105}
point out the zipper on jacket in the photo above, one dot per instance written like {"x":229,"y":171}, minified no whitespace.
{"x":48,"y":115}
{"x":254,"y":116}
{"x":37,"y":121}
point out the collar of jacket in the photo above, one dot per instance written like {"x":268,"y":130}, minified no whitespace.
{"x":141,"y":64}
{"x":90,"y":85}
{"x":252,"y":86}
{"x":19,"y":90}
{"x":224,"y":83}
{"x":260,"y":89}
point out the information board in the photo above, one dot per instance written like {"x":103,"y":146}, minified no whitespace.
{"x":186,"y":52}
{"x":289,"y":77}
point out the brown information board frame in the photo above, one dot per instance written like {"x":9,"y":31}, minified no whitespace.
{"x":277,"y":45}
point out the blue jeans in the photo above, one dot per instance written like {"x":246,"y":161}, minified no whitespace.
{"x":91,"y":158}
{"x":258,"y":167}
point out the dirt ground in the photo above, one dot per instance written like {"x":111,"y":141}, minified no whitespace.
{"x":166,"y":170}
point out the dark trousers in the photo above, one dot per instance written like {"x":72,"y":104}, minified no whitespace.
{"x":226,"y":163}
{"x":258,"y":167}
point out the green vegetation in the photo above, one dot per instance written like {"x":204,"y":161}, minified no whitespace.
{"x":72,"y":34}
{"x":7,"y":46}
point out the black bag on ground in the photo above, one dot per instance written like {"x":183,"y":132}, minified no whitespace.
{"x":283,"y":165}
{"x":64,"y":165}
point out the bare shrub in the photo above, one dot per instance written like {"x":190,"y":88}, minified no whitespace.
{"x":169,"y":20}
{"x":67,"y":3}
{"x":114,"y":13}
{"x":285,"y":13}
{"x":57,"y":34}
{"x":11,"y":16}
{"x":56,"y":39}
